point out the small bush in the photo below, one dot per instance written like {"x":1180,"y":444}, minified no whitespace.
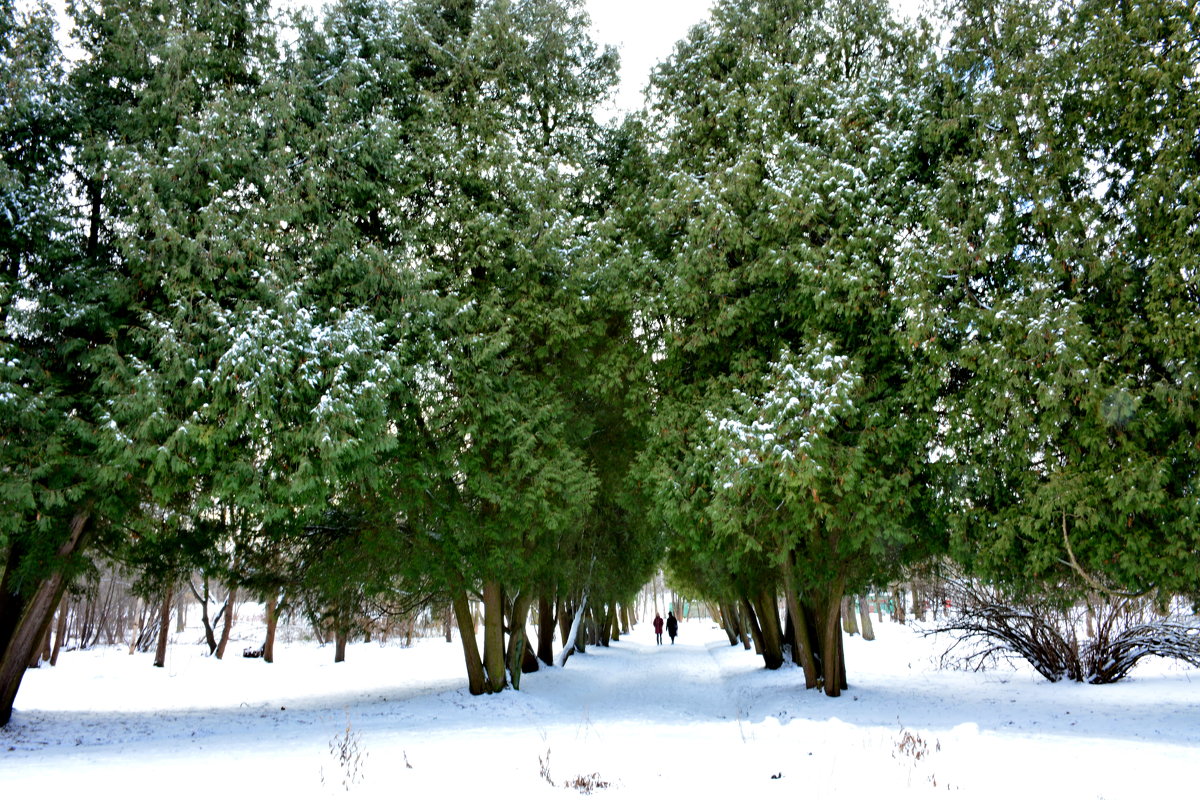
{"x":1098,"y":642}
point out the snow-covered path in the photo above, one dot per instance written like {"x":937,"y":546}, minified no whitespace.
{"x":697,"y":719}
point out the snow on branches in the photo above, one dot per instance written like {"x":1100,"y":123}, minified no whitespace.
{"x":804,"y":396}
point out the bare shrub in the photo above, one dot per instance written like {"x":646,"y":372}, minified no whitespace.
{"x":586,"y":784}
{"x":346,"y":748}
{"x":911,"y":745}
{"x":1099,"y":641}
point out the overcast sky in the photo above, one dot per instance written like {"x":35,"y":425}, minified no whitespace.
{"x":645,"y":32}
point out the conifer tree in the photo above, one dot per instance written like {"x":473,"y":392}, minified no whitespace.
{"x":1062,"y":292}
{"x":794,"y":419}
{"x":54,"y":306}
{"x":510,"y":145}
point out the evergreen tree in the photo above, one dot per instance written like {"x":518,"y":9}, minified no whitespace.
{"x":795,"y":415}
{"x":54,"y":307}
{"x":512,"y":145}
{"x":1063,"y":274}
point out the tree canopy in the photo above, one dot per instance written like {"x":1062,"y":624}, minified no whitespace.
{"x":371,"y":308}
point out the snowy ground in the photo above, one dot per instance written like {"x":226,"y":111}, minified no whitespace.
{"x":699,"y":719}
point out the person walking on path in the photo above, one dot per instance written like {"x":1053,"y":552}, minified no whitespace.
{"x":658,"y":623}
{"x":672,"y":626}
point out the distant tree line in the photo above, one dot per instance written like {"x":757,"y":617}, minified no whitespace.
{"x":373,"y":309}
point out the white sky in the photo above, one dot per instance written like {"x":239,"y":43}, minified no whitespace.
{"x":645,"y":32}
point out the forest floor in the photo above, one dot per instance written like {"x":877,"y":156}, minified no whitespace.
{"x":697,"y":719}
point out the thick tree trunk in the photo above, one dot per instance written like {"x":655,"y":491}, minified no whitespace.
{"x":493,"y":635}
{"x":546,"y":622}
{"x":272,"y":614}
{"x":615,"y":627}
{"x":626,"y":622}
{"x":864,"y":615}
{"x":228,"y":626}
{"x":476,"y":680}
{"x":32,"y":614}
{"x":164,"y":629}
{"x":772,"y":631}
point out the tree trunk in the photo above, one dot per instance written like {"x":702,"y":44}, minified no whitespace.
{"x":272,"y":614}
{"x":864,"y":615}
{"x":626,"y":622}
{"x":493,"y":635}
{"x":517,"y":638}
{"x":164,"y":629}
{"x":228,"y":626}
{"x":574,"y":635}
{"x":25,"y":618}
{"x":604,"y":625}
{"x":849,"y":618}
{"x":546,"y":622}
{"x":43,"y":651}
{"x":341,"y":635}
{"x":743,"y":628}
{"x":180,"y":612}
{"x":60,"y":635}
{"x":803,"y":638}
{"x":772,"y":631}
{"x":476,"y":680}
{"x":752,"y":622}
{"x":831,"y":641}
{"x":729,"y":623}
{"x":209,"y":637}
{"x":565,"y":621}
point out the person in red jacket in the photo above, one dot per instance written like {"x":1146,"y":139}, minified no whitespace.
{"x":658,"y":623}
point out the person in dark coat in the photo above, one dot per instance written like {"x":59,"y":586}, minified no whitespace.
{"x":658,"y":623}
{"x":672,"y":626}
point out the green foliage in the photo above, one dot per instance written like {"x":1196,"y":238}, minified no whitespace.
{"x":794,"y":417}
{"x":51,"y":310}
{"x":377,"y":308}
{"x":1062,"y":267}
